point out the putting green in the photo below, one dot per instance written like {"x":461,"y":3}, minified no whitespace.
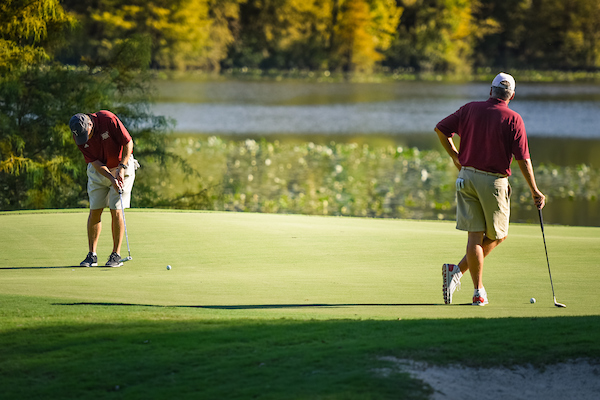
{"x":302,"y":267}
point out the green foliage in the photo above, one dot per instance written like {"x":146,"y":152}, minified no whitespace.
{"x":34,"y":153}
{"x":338,"y":179}
{"x":542,"y":34}
{"x":28,"y":31}
{"x":329,"y":34}
{"x":40,"y":166}
{"x":182,"y":33}
{"x":448,"y":36}
{"x":281,"y":34}
{"x":434,"y":36}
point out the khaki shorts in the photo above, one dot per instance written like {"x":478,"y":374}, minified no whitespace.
{"x":483,"y":205}
{"x":101,"y":192}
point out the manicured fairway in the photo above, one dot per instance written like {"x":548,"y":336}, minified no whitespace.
{"x":297,"y":266}
{"x":293,"y":306}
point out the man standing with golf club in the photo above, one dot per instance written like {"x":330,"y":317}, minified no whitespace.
{"x":490,"y":135}
{"x":107,"y":148}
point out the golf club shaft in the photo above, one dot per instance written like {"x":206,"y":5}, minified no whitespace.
{"x":546,"y":250}
{"x":124,"y":223}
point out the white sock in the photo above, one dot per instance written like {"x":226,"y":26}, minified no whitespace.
{"x":94,"y":253}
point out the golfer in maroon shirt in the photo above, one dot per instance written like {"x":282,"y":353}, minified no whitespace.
{"x":107,"y":148}
{"x":490,"y":135}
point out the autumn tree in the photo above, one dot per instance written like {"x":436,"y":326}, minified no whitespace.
{"x":184,"y":34}
{"x":363,"y":30}
{"x":33,"y":155}
{"x":282,"y":34}
{"x":40,"y":166}
{"x":314,"y":34}
{"x":542,"y":34}
{"x":435,"y":35}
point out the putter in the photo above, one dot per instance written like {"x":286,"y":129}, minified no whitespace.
{"x":128,"y":258}
{"x":548,"y":262}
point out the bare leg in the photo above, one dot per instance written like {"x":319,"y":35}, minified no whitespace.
{"x":117,"y":230}
{"x":478,"y":247}
{"x":94,"y":228}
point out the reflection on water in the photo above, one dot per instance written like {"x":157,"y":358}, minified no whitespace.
{"x":555,"y":110}
{"x":562,"y":120}
{"x":578,"y":119}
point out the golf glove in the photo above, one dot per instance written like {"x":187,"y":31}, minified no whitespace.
{"x":460,"y":184}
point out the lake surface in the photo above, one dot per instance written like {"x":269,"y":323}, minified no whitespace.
{"x":562,"y":120}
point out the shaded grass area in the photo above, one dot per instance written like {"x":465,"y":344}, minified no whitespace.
{"x":49,"y":350}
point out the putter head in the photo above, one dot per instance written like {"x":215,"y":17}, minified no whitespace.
{"x":557,"y":304}
{"x":128,"y":258}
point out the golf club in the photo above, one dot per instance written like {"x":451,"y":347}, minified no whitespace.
{"x":548,"y":262}
{"x":128,"y":258}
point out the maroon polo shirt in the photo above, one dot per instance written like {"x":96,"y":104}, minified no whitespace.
{"x":107,"y":141}
{"x":490,"y":134}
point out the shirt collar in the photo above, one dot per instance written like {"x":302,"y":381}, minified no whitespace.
{"x":495,"y":101}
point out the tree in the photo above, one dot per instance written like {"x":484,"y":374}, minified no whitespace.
{"x":563,"y":35}
{"x":282,"y":34}
{"x":362,"y":31}
{"x":32,"y":148}
{"x":543,"y":34}
{"x":184,"y":34}
{"x":435,"y":35}
{"x":314,"y":34}
{"x":40,"y":166}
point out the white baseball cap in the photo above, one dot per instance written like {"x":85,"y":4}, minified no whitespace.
{"x":505,"y":81}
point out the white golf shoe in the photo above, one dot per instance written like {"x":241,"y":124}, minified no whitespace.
{"x":451,"y":276}
{"x":480,"y":297}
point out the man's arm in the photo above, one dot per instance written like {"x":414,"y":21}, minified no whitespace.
{"x":127,"y":151}
{"x":527,"y":169}
{"x":448,"y":145}
{"x":103,"y":170}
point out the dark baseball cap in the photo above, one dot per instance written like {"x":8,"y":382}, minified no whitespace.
{"x":79,"y":126}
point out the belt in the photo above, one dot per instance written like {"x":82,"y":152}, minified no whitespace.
{"x":485,"y":172}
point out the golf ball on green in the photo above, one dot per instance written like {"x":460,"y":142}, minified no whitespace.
{"x":532,"y":300}
{"x":168,"y":267}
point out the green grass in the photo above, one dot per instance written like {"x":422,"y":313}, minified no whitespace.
{"x":276,"y":306}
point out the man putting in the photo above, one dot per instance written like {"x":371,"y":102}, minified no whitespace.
{"x":490,"y":134}
{"x":107,"y":148}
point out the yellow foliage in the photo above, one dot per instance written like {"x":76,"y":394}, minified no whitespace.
{"x":296,"y":20}
{"x":365,"y":28}
{"x":29,"y":21}
{"x":14,"y":165}
{"x":179,"y":29}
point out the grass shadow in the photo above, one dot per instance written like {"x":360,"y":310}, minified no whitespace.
{"x":48,"y":267}
{"x":157,"y":354}
{"x":261,"y":306}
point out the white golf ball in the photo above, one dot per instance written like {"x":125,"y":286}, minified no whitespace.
{"x":168,"y":267}
{"x":532,"y":300}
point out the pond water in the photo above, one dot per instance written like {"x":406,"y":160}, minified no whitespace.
{"x":562,"y":120}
